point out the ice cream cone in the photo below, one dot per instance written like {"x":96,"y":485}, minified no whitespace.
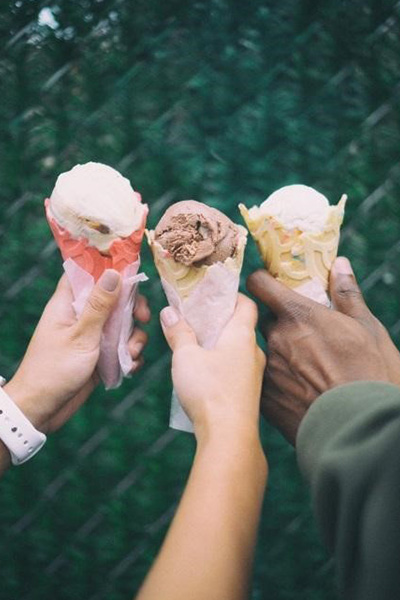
{"x":98,"y":222}
{"x":121,"y":254}
{"x":204,"y":295}
{"x":184,"y":278}
{"x":295,"y":257}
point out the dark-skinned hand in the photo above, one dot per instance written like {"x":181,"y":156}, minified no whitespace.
{"x":312,"y":349}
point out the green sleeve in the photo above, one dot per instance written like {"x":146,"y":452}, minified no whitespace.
{"x":348,"y":447}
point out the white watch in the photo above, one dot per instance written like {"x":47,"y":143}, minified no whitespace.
{"x":16,"y":431}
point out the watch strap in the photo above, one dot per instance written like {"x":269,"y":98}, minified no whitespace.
{"x":17,"y":432}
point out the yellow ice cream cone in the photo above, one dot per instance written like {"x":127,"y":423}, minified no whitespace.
{"x":293,"y":256}
{"x":185,"y":278}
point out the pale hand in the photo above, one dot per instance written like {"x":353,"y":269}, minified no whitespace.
{"x":219,"y":388}
{"x":57,"y":373}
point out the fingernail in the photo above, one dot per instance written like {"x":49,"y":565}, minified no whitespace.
{"x":342,"y":266}
{"x":109,"y":280}
{"x":169,"y":317}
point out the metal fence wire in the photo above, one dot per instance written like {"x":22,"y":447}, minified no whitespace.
{"x":218,"y":100}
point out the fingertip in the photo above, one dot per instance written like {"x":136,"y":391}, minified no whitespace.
{"x":169,"y":317}
{"x":136,"y":365}
{"x":176,"y":330}
{"x":246,"y":308}
{"x":137,"y":342}
{"x":342,"y":266}
{"x":141,"y":310}
{"x":257,"y":279}
{"x":341,"y":277}
{"x":110,"y":281}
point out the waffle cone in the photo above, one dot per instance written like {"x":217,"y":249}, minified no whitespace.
{"x":122,"y":253}
{"x":293,"y":256}
{"x":84,"y":265}
{"x":185,"y":278}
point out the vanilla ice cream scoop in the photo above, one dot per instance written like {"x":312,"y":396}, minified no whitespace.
{"x":95,"y":202}
{"x":297,"y":233}
{"x":296,"y":207}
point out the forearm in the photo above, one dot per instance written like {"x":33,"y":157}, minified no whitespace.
{"x":348,"y":448}
{"x":209,"y":548}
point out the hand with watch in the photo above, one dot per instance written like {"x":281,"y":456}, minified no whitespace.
{"x":58,"y":371}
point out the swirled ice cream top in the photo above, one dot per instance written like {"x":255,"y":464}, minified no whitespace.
{"x":196,"y":234}
{"x":96,"y":202}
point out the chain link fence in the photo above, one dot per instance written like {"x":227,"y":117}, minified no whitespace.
{"x":217,"y":100}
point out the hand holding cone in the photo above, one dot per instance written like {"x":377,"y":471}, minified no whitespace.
{"x":198,"y":253}
{"x":98,"y":222}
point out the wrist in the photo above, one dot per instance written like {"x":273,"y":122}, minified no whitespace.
{"x":227,"y":426}
{"x":230,"y":434}
{"x":17,"y":433}
{"x":26,"y":400}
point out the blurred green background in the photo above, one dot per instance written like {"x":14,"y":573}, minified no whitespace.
{"x":218,"y":100}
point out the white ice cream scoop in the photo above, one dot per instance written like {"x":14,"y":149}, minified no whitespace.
{"x":297,"y":233}
{"x":296,"y":207}
{"x":96,"y":202}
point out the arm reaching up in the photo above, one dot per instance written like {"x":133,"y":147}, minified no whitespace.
{"x":332,"y":386}
{"x":208,"y":550}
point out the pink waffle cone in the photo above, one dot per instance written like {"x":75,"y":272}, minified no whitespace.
{"x":84,"y":265}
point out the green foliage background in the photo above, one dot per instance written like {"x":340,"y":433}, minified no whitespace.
{"x":218,"y":100}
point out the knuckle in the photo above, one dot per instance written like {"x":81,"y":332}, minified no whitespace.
{"x":97,"y":303}
{"x":356,"y":337}
{"x":273,"y":339}
{"x":144,"y":336}
{"x":347,"y":290}
{"x":79,"y":342}
{"x":297,"y":311}
{"x":138,"y":336}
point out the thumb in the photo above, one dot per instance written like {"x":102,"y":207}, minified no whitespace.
{"x":99,"y":305}
{"x":177,"y":332}
{"x":345,"y":294}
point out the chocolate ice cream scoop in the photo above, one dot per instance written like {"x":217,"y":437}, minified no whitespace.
{"x":196,"y":234}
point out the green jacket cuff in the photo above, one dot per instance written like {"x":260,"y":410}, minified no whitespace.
{"x":335,"y":411}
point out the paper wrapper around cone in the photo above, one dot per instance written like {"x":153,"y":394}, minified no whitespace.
{"x":205,"y":296}
{"x":301,"y":260}
{"x":84,"y":265}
